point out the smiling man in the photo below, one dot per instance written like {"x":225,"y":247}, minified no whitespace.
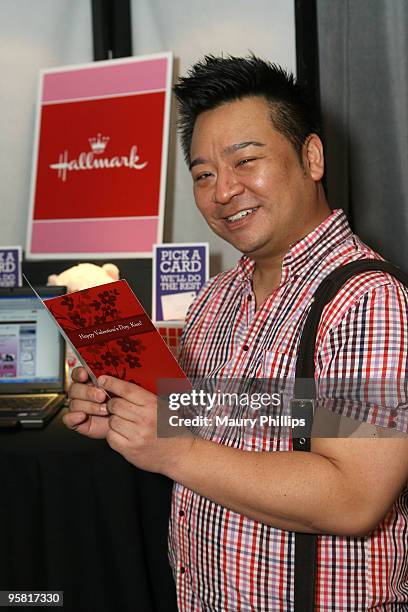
{"x":249,"y":190}
{"x":256,"y":160}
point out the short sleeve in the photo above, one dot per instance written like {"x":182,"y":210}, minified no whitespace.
{"x":361,"y":363}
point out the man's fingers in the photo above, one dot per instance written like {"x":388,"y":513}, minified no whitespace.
{"x":86,"y":400}
{"x":128,"y":410}
{"x":93,"y":426}
{"x":122,"y":426}
{"x":133,"y":393}
{"x":82,"y":407}
{"x":73,"y":419}
{"x":79,"y":374}
{"x":86,"y":392}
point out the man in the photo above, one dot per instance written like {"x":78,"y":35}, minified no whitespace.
{"x":257,"y":162}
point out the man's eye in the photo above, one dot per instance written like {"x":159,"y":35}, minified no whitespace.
{"x":242,"y":162}
{"x":201,"y":176}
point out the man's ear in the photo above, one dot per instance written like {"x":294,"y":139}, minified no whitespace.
{"x":313,"y":157}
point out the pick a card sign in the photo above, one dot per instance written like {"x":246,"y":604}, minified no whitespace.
{"x":99,"y":172}
{"x":179,"y":272}
{"x":10,"y":266}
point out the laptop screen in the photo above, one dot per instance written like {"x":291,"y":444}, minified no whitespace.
{"x":31,"y":347}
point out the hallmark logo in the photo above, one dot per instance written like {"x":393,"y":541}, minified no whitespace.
{"x":88,"y":161}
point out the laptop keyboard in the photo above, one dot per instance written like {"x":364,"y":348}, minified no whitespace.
{"x":25,"y":403}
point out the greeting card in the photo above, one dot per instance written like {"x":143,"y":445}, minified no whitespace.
{"x":112,"y":333}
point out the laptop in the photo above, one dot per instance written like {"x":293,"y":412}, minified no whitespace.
{"x":32,"y":359}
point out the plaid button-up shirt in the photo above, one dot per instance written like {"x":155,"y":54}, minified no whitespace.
{"x":223,"y":561}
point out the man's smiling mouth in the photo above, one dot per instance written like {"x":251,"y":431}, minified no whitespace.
{"x":240,"y":215}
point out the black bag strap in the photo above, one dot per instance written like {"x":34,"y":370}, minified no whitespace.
{"x":306,"y":544}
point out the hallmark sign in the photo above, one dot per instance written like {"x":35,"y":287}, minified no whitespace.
{"x":98,"y":180}
{"x":93,"y":159}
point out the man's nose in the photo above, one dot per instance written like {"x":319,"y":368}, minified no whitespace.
{"x":226,"y":187}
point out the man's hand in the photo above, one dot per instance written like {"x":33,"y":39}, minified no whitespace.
{"x":87,"y":414}
{"x":133,"y":429}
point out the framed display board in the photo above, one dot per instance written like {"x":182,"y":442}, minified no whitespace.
{"x":100,"y":158}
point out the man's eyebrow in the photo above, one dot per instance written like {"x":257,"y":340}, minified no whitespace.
{"x":196,"y":161}
{"x":242,"y":145}
{"x":228,"y":150}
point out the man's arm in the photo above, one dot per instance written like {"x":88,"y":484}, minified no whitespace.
{"x":343,"y":487}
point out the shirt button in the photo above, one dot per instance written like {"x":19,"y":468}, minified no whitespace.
{"x":249,"y":297}
{"x":181,"y":512}
{"x":245,"y":347}
{"x":182,"y":570}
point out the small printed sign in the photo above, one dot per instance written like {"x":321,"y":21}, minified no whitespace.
{"x":179,"y":272}
{"x":10,"y":266}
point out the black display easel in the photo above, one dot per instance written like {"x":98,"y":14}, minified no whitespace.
{"x":112,"y":29}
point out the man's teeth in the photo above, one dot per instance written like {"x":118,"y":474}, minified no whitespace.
{"x":241,"y":214}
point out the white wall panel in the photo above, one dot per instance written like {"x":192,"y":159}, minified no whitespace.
{"x":33,"y":35}
{"x":191,"y":29}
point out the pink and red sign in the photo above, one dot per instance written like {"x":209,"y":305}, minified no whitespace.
{"x":99,"y":173}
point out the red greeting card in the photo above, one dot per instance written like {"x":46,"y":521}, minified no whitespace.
{"x":113,"y":335}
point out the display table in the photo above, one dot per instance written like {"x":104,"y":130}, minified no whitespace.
{"x":76,"y":516}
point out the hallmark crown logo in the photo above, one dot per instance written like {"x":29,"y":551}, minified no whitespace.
{"x":99,"y":144}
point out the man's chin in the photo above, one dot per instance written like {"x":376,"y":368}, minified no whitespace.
{"x":251,"y":249}
{"x":245,"y":246}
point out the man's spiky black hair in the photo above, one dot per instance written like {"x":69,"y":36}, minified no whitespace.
{"x":216,"y":80}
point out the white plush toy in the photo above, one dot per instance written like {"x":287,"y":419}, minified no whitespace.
{"x":84,"y":276}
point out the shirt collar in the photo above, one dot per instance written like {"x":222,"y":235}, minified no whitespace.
{"x":307,"y":251}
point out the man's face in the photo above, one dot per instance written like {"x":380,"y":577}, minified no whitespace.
{"x":248,"y":180}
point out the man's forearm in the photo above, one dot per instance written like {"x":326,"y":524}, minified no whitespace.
{"x":294,"y":491}
{"x":345,"y":486}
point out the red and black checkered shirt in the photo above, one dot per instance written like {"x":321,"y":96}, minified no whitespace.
{"x":223,"y":561}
